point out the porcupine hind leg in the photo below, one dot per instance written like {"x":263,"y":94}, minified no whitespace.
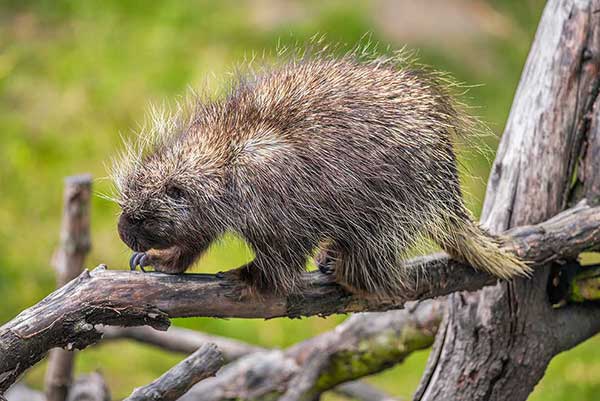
{"x":364,"y":269}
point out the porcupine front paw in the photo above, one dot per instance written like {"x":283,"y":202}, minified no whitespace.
{"x":139,"y":259}
{"x":171,"y":260}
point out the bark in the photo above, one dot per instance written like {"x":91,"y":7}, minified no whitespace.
{"x":177,"y":381}
{"x":68,"y":261}
{"x":495,"y":344}
{"x":67,"y":317}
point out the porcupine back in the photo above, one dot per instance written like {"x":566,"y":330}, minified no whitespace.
{"x":370,"y":162}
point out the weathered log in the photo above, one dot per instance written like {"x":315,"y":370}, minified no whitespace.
{"x":496,"y":343}
{"x":187,"y":341}
{"x":177,"y":381}
{"x":68,"y":262}
{"x":66,"y":318}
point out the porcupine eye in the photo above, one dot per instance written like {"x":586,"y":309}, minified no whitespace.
{"x":174,"y":192}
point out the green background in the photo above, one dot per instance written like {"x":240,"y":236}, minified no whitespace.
{"x":75,"y":76}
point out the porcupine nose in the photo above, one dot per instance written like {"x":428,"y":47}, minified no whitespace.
{"x":129,"y":228}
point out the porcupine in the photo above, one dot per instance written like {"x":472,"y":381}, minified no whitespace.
{"x":352,"y":158}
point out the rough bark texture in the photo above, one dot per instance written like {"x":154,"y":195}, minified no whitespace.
{"x":495,"y":344}
{"x":68,"y":262}
{"x":66,"y":318}
{"x":177,"y":381}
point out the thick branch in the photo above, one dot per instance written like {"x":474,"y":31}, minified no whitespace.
{"x":177,"y":381}
{"x":66,"y":318}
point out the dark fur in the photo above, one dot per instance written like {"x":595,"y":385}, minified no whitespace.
{"x":355,"y":155}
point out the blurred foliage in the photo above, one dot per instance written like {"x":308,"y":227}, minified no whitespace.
{"x":75,"y":75}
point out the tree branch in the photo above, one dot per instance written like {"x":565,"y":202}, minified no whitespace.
{"x":187,"y":341}
{"x":179,"y":379}
{"x":177,"y":339}
{"x":364,"y":344}
{"x":66,"y":318}
{"x":68,"y":262}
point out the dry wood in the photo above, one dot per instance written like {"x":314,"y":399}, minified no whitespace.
{"x":68,"y":262}
{"x":496,"y":343}
{"x":177,"y":381}
{"x":66,"y":318}
{"x":364,"y":344}
{"x":178,"y":339}
{"x":304,"y":383}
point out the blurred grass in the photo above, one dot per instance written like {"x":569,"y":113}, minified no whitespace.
{"x":75,"y":75}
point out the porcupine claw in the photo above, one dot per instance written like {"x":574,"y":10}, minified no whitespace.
{"x":326,"y":268}
{"x":138,"y":259}
{"x":326,"y":264}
